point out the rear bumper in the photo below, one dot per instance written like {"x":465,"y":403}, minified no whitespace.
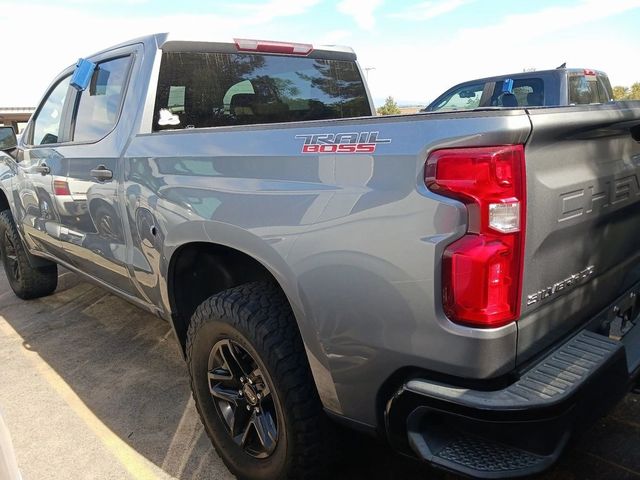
{"x":523,"y":428}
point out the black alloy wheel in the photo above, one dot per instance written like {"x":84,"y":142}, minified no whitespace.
{"x":12,"y":267}
{"x":25,"y":278}
{"x":243,"y":398}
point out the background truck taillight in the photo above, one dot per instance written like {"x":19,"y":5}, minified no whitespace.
{"x":482,"y":271}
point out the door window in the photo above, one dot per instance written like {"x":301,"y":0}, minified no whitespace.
{"x":528,"y":92}
{"x":100,"y":104}
{"x":46,"y":126}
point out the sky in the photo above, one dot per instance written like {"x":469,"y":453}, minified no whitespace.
{"x":414,"y":49}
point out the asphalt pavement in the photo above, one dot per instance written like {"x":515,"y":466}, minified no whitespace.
{"x":92,"y":387}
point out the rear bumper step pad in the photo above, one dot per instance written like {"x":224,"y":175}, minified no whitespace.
{"x":516,"y":431}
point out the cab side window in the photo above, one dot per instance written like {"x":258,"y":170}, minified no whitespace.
{"x":604,"y":90}
{"x":46,"y":125}
{"x":526,"y":92}
{"x":100,"y":103}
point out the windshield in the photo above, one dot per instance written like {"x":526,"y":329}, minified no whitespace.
{"x":466,"y":97}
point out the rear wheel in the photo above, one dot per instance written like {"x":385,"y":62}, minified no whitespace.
{"x":25,"y":280}
{"x":253,"y":387}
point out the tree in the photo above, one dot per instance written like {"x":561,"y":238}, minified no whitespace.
{"x":627,"y":93}
{"x":620,"y":93}
{"x":390,"y":107}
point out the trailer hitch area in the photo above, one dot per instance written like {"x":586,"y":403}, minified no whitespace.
{"x":623,"y":316}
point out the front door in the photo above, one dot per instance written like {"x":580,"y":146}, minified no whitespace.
{"x":39,"y":167}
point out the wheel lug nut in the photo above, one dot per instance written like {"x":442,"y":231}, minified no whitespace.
{"x":257,"y":410}
{"x":258,"y":396}
{"x":242,"y":379}
{"x":248,"y":407}
{"x":240,"y":392}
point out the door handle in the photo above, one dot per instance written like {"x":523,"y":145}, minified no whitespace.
{"x":43,"y":169}
{"x":101,"y":173}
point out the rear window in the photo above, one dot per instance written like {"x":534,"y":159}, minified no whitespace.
{"x":585,"y":89}
{"x":197,"y":90}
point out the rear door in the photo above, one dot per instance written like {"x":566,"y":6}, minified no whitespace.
{"x":583,"y":218}
{"x":94,"y":238}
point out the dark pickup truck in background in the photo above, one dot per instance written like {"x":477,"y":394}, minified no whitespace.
{"x":561,"y":86}
{"x":463,"y":285}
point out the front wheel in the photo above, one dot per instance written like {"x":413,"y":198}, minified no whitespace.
{"x":253,"y":387}
{"x":25,"y":280}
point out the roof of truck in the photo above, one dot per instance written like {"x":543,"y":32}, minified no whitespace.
{"x":532,"y":73}
{"x":202,"y":43}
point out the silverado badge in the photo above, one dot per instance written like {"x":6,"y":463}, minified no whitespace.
{"x":569,"y":282}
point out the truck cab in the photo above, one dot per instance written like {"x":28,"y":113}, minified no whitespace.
{"x":562,"y":86}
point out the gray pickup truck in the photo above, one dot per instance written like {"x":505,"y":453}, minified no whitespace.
{"x":464,"y":285}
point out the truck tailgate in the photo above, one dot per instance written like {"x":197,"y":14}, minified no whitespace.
{"x":583,"y":217}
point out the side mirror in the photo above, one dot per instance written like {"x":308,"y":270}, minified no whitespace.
{"x":8,"y":139}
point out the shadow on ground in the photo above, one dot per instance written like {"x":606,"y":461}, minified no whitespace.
{"x":126,"y":367}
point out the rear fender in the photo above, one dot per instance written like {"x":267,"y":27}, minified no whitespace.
{"x":270,"y":253}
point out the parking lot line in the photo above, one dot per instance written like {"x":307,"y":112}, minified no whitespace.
{"x":136,"y":465}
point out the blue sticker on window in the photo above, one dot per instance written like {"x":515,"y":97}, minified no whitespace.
{"x":507,"y":86}
{"x":82,"y":75}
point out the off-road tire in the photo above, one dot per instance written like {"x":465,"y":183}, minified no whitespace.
{"x":26,"y":281}
{"x":257,"y":316}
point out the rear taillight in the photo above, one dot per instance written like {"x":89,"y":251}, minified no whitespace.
{"x":268,"y":46}
{"x":61,"y":187}
{"x":482,"y":271}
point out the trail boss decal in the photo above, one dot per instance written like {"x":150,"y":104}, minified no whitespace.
{"x":357,"y":142}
